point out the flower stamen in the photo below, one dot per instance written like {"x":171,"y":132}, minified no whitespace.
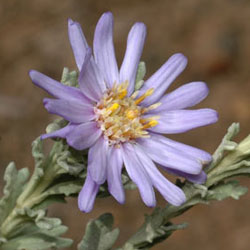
{"x":151,"y":107}
{"x":113,"y":108}
{"x":150,"y":124}
{"x":145,"y":95}
{"x":120,"y":116}
{"x":132,"y":113}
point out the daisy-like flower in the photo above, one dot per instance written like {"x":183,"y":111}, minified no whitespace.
{"x":123,"y":127}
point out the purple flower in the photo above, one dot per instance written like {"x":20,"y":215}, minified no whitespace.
{"x":123,"y":127}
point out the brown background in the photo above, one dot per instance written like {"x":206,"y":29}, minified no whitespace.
{"x":214,"y":35}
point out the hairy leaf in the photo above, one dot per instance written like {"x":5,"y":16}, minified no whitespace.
{"x":141,"y":72}
{"x":99,"y":234}
{"x":15,"y":180}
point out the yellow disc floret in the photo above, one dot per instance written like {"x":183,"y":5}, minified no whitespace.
{"x":120,"y":117}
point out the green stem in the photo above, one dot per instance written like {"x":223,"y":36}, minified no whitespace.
{"x":160,"y":219}
{"x":31,"y":195}
{"x":11,"y":222}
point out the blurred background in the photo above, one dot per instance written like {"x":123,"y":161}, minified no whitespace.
{"x":214,"y":35}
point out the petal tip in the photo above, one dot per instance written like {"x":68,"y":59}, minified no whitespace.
{"x":197,"y":169}
{"x":106,"y":18}
{"x":121,"y":200}
{"x":46,"y":136}
{"x":179,"y":55}
{"x":180,"y":59}
{"x":139,"y":27}
{"x":120,"y":197}
{"x":205,"y":87}
{"x":214,"y":116}
{"x":107,"y":14}
{"x":45,"y":101}
{"x":151,"y":204}
{"x":43,"y":137}
{"x":140,"y":24}
{"x":202,"y":179}
{"x":84,"y":207}
{"x":180,"y":199}
{"x":70,"y":21}
{"x":207,"y":158}
{"x":32,"y":73}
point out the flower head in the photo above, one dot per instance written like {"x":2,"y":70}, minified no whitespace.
{"x":123,"y":127}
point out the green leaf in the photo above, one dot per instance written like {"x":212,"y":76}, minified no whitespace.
{"x":66,"y":188}
{"x":127,"y":183}
{"x":71,"y":164}
{"x":240,"y":169}
{"x":37,"y":153}
{"x":38,"y":239}
{"x":236,"y":162}
{"x":154,"y":230}
{"x":99,"y":234}
{"x":226,"y":145}
{"x":37,"y":229}
{"x":15,"y":181}
{"x":50,"y":200}
{"x":229,"y":160}
{"x":140,"y":75}
{"x":24,"y":206}
{"x":157,"y":226}
{"x":69,"y":78}
{"x":226,"y":190}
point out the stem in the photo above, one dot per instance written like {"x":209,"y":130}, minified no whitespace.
{"x":11,"y":222}
{"x":31,"y":195}
{"x":160,"y":219}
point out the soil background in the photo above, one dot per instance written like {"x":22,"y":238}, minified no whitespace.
{"x":214,"y":35}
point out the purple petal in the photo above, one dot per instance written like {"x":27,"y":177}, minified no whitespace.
{"x":84,"y":135}
{"x":163,"y":77}
{"x":114,"y":170}
{"x":86,"y":197}
{"x":56,"y":88}
{"x":71,"y":110}
{"x":78,"y":42}
{"x":168,"y":190}
{"x":185,"y":96}
{"x":132,"y":56}
{"x":195,"y":178}
{"x":97,"y":161}
{"x":60,"y":133}
{"x":198,"y":179}
{"x":104,"y":49}
{"x":199,"y":154}
{"x":91,"y":81}
{"x":179,"y":121}
{"x":138,"y":175}
{"x":168,"y":156}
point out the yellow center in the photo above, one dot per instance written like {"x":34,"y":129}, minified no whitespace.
{"x":120,"y":117}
